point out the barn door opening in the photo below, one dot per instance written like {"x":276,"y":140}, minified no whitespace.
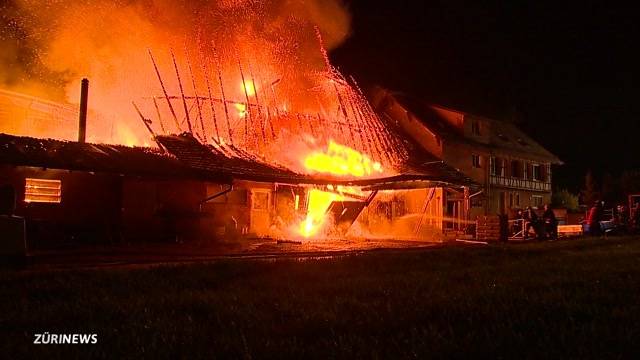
{"x":260,"y":212}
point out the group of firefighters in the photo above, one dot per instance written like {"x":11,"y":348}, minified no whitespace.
{"x":622,"y":220}
{"x":545,"y":227}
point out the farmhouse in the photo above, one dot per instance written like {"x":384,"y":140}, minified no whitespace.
{"x":515,"y":171}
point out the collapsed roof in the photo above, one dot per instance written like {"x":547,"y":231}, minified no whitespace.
{"x":422,"y":166}
{"x":186,"y":158}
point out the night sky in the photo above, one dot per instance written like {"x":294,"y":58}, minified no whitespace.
{"x":567,"y":72}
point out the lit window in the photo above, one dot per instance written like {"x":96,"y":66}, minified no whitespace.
{"x":475,"y":160}
{"x":42,"y":191}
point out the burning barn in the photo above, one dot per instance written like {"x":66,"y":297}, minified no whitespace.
{"x":228,"y":188}
{"x":71,"y":191}
{"x":245,"y":131}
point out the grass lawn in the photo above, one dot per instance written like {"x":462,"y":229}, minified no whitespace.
{"x":576,"y":299}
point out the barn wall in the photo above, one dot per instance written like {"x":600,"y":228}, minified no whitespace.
{"x":162,"y":209}
{"x":250,"y":209}
{"x":226,"y":216}
{"x":89,"y":209}
{"x":99,"y":208}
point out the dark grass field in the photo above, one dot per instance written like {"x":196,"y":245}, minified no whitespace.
{"x":566,"y":299}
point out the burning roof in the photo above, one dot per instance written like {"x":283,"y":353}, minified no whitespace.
{"x":423,"y":170}
{"x":190,"y":159}
{"x":117,"y":159}
{"x":248,"y":84}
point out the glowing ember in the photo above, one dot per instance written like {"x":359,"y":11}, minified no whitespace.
{"x":242,"y":109}
{"x":249,"y":87}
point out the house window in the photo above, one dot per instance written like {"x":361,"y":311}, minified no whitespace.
{"x":475,"y":160}
{"x":492,"y":166}
{"x":43,"y":191}
{"x":536,"y":201}
{"x":475,"y":127}
{"x":516,"y":169}
{"x":546,"y":173}
{"x":499,"y":166}
{"x":536,"y":173}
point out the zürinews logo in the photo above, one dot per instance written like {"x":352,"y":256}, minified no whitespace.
{"x":56,"y":339}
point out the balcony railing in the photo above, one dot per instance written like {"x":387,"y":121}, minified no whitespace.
{"x":518,"y":183}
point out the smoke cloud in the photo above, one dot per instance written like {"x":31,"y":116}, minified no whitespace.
{"x":47,"y":46}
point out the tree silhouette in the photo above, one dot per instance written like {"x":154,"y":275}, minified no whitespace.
{"x":589,"y":192}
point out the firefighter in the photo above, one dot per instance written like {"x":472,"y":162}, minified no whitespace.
{"x":593,"y":219}
{"x":622,"y":220}
{"x":550,"y":223}
{"x":519,"y":222}
{"x":531,"y":222}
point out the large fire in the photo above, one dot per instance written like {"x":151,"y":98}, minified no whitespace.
{"x":337,"y":160}
{"x":341,"y":160}
{"x":254,"y":75}
{"x":318,"y":203}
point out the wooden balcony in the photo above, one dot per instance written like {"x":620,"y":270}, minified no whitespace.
{"x":518,"y":183}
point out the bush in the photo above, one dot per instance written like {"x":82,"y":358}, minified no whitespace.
{"x":564,"y":198}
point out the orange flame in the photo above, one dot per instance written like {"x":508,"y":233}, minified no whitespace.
{"x":242,"y":109}
{"x":318,"y":203}
{"x":249,"y":87}
{"x":341,"y":160}
{"x":337,"y":160}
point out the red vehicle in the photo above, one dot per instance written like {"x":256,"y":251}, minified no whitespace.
{"x":634,"y":211}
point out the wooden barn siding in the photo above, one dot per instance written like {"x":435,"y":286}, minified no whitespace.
{"x":110,"y":208}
